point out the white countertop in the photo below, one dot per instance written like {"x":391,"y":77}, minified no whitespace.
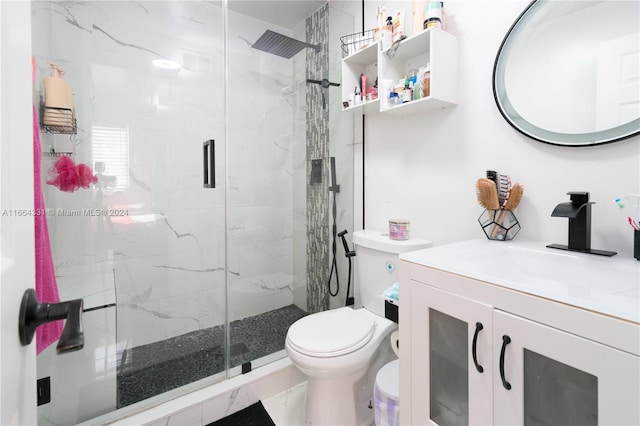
{"x":608,"y":285}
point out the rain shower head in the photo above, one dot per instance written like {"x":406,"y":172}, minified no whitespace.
{"x":281,"y":45}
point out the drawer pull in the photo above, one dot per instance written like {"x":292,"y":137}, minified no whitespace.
{"x":474,"y":353}
{"x":505,"y":341}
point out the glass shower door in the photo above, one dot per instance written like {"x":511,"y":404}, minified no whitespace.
{"x":281,"y":125}
{"x":145,"y":245}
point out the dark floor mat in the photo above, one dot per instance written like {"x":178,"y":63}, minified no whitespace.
{"x":253,"y":415}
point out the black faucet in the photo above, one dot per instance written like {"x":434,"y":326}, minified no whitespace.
{"x":578,"y":210}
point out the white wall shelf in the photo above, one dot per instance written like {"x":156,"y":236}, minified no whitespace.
{"x":433,"y":46}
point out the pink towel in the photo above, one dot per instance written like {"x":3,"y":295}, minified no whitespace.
{"x":46,"y":286}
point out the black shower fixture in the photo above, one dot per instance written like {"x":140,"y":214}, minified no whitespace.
{"x":324,"y":83}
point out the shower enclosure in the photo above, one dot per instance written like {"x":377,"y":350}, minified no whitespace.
{"x":184,"y":283}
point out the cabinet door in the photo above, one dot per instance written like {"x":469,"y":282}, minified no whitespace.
{"x":557,"y":378}
{"x":447,"y":388}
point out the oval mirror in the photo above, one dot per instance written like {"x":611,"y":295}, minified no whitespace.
{"x":568,"y":72}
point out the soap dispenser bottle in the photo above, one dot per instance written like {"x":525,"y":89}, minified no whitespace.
{"x":386,"y":39}
{"x":58,"y":99}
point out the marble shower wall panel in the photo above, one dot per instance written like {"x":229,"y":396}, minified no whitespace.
{"x":260,"y":168}
{"x":318,"y":240}
{"x":168,"y":252}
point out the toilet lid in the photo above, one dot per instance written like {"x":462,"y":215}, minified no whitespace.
{"x":331,"y":333}
{"x":388,"y":380}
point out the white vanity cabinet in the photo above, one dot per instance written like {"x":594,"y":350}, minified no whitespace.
{"x":479,"y":351}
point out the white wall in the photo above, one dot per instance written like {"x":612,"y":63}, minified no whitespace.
{"x":423,"y":168}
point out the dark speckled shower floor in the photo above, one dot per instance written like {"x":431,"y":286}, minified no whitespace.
{"x":152,"y":369}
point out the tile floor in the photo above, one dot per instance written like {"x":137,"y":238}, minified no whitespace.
{"x":287,"y":408}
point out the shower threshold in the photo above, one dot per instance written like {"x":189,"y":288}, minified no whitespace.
{"x":149,"y":370}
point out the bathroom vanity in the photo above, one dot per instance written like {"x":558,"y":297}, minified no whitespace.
{"x":516,"y":333}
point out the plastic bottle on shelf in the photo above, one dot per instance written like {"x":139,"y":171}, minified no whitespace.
{"x":377,"y":34}
{"x":417,"y":89}
{"x":357,"y":96}
{"x":443,"y":17}
{"x":426,"y":82}
{"x":407,"y":93}
{"x":386,"y":38}
{"x":417,"y":13}
{"x":398,"y":26}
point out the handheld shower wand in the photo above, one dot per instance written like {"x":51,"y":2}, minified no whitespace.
{"x":349,"y":254}
{"x":334,"y":188}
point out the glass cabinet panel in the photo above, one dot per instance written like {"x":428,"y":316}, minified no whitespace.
{"x":558,"y":394}
{"x":448,"y":357}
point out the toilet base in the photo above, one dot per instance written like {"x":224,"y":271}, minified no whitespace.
{"x":347,"y":401}
{"x":330,"y":402}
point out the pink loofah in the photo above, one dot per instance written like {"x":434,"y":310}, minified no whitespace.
{"x":68,"y":177}
{"x":85,"y":176}
{"x":64,"y":175}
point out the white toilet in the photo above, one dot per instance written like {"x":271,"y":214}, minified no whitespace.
{"x":341,"y":350}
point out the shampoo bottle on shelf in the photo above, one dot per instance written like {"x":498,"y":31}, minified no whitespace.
{"x":386,"y":38}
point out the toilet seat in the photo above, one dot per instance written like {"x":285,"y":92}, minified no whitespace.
{"x":331,"y":333}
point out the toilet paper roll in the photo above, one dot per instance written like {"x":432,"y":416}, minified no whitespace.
{"x":395,"y":343}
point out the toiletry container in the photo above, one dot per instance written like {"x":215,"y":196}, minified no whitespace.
{"x":386,"y":395}
{"x":399,"y":26}
{"x":417,"y":12}
{"x":377,"y":35}
{"x":57,"y":98}
{"x":386,"y":39}
{"x":426,"y":82}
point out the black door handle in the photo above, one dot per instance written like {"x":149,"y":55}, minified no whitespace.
{"x":209,"y":169}
{"x":479,"y":327}
{"x":505,"y":341}
{"x":33,"y":314}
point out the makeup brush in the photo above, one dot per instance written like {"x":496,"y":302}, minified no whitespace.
{"x":487,"y":194}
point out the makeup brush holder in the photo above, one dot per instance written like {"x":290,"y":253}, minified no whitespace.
{"x":636,"y":244}
{"x":500,"y":225}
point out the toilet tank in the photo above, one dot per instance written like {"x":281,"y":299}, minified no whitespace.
{"x":377,"y":261}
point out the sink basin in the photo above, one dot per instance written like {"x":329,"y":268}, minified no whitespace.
{"x":610,"y":285}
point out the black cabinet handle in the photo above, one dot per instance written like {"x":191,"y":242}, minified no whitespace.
{"x":209,"y":169}
{"x":479,"y":327}
{"x":505,"y":341}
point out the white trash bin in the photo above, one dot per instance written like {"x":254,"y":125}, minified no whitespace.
{"x":386,"y":395}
